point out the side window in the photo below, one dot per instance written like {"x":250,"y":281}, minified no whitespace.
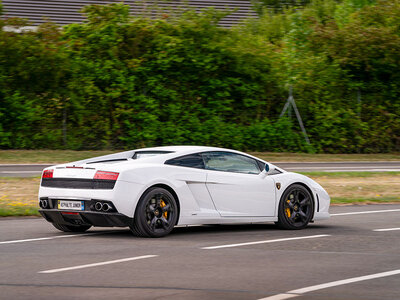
{"x":261,"y":165}
{"x":230,"y":162}
{"x":191,"y":161}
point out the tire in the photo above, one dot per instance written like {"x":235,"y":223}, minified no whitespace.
{"x":71,"y":228}
{"x":296,"y":208}
{"x":156,"y":214}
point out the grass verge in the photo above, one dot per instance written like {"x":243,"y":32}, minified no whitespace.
{"x":18,"y":210}
{"x":62,"y":156}
{"x":46,"y":156}
{"x":379,"y":200}
{"x":18,"y":196}
{"x":360,"y":187}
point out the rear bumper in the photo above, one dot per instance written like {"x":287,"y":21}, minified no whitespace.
{"x":101,"y":219}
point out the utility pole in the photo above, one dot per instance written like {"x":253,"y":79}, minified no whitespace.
{"x":291,"y":103}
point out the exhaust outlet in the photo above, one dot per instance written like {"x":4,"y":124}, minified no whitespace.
{"x":106,"y":207}
{"x":43,"y":203}
{"x":98,"y":206}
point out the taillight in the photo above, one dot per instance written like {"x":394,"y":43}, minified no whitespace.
{"x":103,"y":175}
{"x":48,"y":173}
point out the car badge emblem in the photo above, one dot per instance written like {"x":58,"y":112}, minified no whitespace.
{"x":278,"y":185}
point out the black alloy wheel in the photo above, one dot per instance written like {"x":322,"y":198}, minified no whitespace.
{"x":156,"y":213}
{"x":296,"y":208}
{"x":71,"y":228}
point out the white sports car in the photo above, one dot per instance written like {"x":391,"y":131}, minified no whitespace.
{"x":153,"y":189}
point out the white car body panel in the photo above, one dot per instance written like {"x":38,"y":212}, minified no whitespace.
{"x":242,"y":195}
{"x":204,"y":196}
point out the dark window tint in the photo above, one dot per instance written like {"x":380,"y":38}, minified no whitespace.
{"x":191,"y":161}
{"x":261,"y":165}
{"x":230,"y":162}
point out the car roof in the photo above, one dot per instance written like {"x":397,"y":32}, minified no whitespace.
{"x":183,"y":149}
{"x":177,"y":151}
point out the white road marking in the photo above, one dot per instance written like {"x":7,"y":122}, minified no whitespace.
{"x":280,"y":297}
{"x":266,"y":241}
{"x":50,"y":238}
{"x":97,"y":264}
{"x":299,"y":292}
{"x":365,"y":212}
{"x":387,"y":229}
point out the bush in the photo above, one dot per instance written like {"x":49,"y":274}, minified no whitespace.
{"x":121,"y":82}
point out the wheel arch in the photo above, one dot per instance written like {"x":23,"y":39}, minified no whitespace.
{"x":307,"y":188}
{"x":169,"y":189}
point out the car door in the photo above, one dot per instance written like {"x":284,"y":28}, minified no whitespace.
{"x":237,"y":186}
{"x":191,"y":174}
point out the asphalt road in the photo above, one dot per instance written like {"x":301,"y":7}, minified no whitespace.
{"x":340,"y":258}
{"x":20,"y":170}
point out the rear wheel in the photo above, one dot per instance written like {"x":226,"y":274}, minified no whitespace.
{"x":156,"y":214}
{"x":71,"y":228}
{"x":295,"y":208}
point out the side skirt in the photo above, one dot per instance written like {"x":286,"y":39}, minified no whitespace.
{"x":225,"y":220}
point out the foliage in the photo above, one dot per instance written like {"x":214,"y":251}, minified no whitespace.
{"x":121,"y":82}
{"x":334,"y":54}
{"x":278,"y":6}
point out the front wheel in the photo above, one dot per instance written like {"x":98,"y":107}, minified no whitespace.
{"x":156,"y":214}
{"x":71,"y":228}
{"x":296,"y":208}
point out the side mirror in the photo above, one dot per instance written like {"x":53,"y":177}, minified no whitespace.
{"x":267,"y":169}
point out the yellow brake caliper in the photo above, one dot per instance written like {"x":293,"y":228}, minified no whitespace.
{"x":162,"y":204}
{"x":287,"y":210}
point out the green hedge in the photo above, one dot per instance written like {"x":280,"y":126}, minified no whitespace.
{"x":121,"y":82}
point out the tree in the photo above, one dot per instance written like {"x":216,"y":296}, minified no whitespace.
{"x":278,"y":6}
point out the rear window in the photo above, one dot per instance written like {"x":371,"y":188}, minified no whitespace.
{"x":144,"y":154}
{"x":190,"y":161}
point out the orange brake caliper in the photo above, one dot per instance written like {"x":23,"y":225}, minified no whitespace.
{"x":162,"y":204}
{"x":287,"y":210}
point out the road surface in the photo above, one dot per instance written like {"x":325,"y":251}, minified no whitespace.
{"x":353,"y":255}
